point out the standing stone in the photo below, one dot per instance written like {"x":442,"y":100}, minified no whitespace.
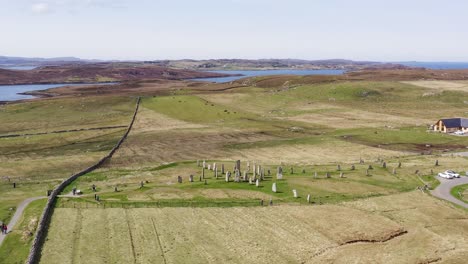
{"x":370,"y":167}
{"x":143,"y":184}
{"x":292,"y":170}
{"x":308,"y":198}
{"x":209,"y":166}
{"x":198,"y":163}
{"x":338,"y":168}
{"x":437,"y":163}
{"x":179,"y":179}
{"x":303,"y":171}
{"x":14,"y":185}
{"x":432,"y":171}
{"x":227,"y":176}
{"x":384,"y":165}
{"x":214,"y":166}
{"x":394,"y":171}
{"x":257,"y":183}
{"x":206,"y":182}
{"x":341,"y":175}
{"x":246,"y":175}
{"x":361,"y":161}
{"x":262,"y":174}
{"x":237,"y":176}
{"x":328,"y":175}
{"x":269,"y":172}
{"x":216,"y":173}
{"x":191,"y":178}
{"x":248,"y":165}
{"x":399,"y":164}
{"x":315,"y":175}
{"x":259,"y":169}
{"x":367,"y":172}
{"x":279,"y":174}
{"x":222,"y":168}
{"x":254,"y":170}
{"x":200,"y":179}
{"x":250,"y":181}
{"x":203,"y":172}
{"x":295,"y":193}
{"x":353,"y":167}
{"x":204,"y":164}
{"x":273,"y":187}
{"x":238,"y":165}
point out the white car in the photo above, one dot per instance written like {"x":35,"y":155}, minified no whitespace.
{"x":445,"y":175}
{"x":452,"y":173}
{"x":459,"y":132}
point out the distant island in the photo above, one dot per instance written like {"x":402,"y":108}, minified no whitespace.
{"x":212,"y":64}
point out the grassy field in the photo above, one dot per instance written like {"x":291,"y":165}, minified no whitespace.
{"x":16,"y":245}
{"x":311,"y":128}
{"x":460,"y":192}
{"x":391,"y":229}
{"x":36,"y":163}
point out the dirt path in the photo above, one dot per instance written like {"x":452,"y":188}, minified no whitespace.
{"x":18,"y":213}
{"x":443,"y":190}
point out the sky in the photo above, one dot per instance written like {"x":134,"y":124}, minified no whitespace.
{"x":378,"y":30}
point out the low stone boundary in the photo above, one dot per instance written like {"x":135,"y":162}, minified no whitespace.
{"x":41,"y":233}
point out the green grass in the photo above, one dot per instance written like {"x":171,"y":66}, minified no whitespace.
{"x":321,"y":189}
{"x":460,"y":192}
{"x":65,"y":113}
{"x":191,"y":109}
{"x":15,"y":247}
{"x":37,"y":163}
{"x":408,"y":138}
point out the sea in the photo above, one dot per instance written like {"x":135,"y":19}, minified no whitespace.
{"x":12,"y":92}
{"x":437,"y":65}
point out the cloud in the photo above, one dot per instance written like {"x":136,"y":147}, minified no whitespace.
{"x":40,"y":8}
{"x":48,"y":6}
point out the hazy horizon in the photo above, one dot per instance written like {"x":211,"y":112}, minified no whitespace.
{"x":365,"y":30}
{"x":91,"y":59}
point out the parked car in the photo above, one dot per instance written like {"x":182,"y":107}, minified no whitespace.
{"x":445,"y":175}
{"x":451,"y":172}
{"x":459,"y":132}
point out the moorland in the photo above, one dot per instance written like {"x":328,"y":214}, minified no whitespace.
{"x":359,"y":144}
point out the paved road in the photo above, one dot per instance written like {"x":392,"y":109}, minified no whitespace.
{"x":18,"y":213}
{"x":443,"y":190}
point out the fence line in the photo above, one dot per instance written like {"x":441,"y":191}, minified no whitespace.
{"x":41,"y":233}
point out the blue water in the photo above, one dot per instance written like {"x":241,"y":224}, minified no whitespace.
{"x":10,"y":92}
{"x":267,"y":72}
{"x":437,"y":65}
{"x":19,"y":68}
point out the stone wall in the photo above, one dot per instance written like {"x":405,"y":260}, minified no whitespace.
{"x":35,"y":251}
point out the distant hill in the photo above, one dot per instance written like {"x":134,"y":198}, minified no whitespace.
{"x":98,"y":72}
{"x":212,"y":64}
{"x":17,"y":61}
{"x":266,"y":64}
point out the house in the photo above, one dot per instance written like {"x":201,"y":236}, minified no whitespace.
{"x":451,"y":125}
